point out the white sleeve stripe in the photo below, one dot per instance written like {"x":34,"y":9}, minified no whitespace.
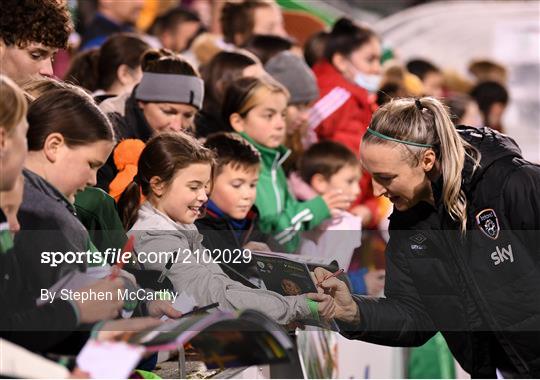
{"x":327,"y":105}
{"x":301,"y":215}
{"x":290,"y":232}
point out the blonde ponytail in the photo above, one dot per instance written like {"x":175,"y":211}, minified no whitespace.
{"x":426,"y":122}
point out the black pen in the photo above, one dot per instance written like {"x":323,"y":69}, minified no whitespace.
{"x":168,"y":266}
{"x":201,"y":309}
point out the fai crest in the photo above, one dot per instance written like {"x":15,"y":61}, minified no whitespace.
{"x":488,"y":223}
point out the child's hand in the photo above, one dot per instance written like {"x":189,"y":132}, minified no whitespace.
{"x":257,"y":246}
{"x":326,"y":304}
{"x":114,"y":330}
{"x":364,"y":213}
{"x":336,"y":199}
{"x":320,"y":290}
{"x":79,"y":374}
{"x":159,"y":308}
{"x":93,"y":310}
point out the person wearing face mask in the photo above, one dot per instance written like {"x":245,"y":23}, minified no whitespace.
{"x":347,"y":77}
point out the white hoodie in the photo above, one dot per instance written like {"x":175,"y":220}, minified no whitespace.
{"x":206,"y":282}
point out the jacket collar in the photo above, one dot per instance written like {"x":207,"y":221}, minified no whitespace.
{"x":223,"y":219}
{"x":269,"y":156}
{"x":437,"y":187}
{"x":40,"y":184}
{"x":149,"y":215}
{"x":492,"y":146}
{"x":224,"y":223}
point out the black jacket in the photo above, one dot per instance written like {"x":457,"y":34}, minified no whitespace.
{"x":21,"y":319}
{"x":481,"y":290}
{"x":219,"y":234}
{"x":48,"y":224}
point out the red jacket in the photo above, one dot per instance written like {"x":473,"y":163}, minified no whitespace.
{"x":350,"y":118}
{"x":343,"y":113}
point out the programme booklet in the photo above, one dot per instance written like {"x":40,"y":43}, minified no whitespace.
{"x":288,"y":277}
{"x":223,"y":339}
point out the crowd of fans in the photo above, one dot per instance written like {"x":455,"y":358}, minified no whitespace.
{"x":187,"y":139}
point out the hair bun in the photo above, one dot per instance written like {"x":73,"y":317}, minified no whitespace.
{"x":344,"y":26}
{"x":154,"y":55}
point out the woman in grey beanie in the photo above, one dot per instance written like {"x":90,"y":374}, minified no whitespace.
{"x":293,"y":73}
{"x":166,"y":100}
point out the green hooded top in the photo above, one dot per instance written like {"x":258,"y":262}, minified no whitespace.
{"x":281,"y":214}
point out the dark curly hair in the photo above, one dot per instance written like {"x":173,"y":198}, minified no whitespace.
{"x":42,"y":21}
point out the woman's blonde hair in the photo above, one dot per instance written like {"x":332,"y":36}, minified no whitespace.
{"x":426,"y":121}
{"x":13,"y":104}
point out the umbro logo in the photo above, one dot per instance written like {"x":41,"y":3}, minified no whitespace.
{"x":418,"y":238}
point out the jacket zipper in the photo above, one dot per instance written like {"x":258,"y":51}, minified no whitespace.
{"x":274,"y":183}
{"x":483,"y":307}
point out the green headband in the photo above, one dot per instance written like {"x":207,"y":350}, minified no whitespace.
{"x":380,"y":135}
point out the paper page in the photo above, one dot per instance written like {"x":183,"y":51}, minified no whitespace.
{"x":113,"y":360}
{"x":184,"y":303}
{"x":16,"y":361}
{"x":99,"y":272}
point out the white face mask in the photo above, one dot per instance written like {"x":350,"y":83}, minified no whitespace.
{"x":370,"y":82}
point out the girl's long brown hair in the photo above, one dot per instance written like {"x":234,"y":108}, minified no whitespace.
{"x":162,"y":157}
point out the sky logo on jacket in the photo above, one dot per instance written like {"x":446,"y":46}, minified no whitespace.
{"x":488,"y":223}
{"x":502,"y":254}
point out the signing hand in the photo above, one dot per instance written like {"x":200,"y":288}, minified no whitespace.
{"x":345,"y":307}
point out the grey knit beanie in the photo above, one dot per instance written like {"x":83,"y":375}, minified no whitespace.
{"x":293,"y":73}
